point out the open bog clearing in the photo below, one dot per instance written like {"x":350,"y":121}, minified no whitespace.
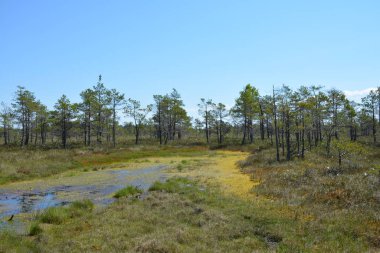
{"x":99,"y":185}
{"x":175,"y":200}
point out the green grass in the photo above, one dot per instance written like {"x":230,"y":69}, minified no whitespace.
{"x":172,"y":185}
{"x":58,"y":215}
{"x":35,"y":228}
{"x":11,"y":242}
{"x":128,"y":191}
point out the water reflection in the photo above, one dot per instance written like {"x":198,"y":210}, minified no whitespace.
{"x":12,"y":203}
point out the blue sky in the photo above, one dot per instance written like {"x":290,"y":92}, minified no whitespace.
{"x":203,"y":48}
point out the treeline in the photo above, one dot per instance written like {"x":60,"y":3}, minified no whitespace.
{"x":291,"y":120}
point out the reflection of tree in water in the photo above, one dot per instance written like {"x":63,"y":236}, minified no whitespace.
{"x":34,"y":201}
{"x":26,"y":202}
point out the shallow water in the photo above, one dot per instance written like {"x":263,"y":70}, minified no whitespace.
{"x":97,"y":186}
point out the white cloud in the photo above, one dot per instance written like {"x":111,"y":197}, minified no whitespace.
{"x":356,"y":95}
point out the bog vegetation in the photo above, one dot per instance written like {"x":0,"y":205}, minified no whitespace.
{"x":312,"y":154}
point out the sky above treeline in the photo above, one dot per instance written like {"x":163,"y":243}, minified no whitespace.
{"x":202,"y":48}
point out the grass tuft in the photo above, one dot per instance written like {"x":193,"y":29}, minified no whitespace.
{"x":35,"y":229}
{"x":58,"y":215}
{"x":171,"y":185}
{"x":53,"y":215}
{"x":128,"y":191}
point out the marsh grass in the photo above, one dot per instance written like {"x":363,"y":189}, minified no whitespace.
{"x":128,"y":191}
{"x":172,"y":185}
{"x":35,"y":228}
{"x":19,"y":164}
{"x":58,"y":215}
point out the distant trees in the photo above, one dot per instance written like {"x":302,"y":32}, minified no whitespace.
{"x":40,"y":123}
{"x":24,"y":108}
{"x":63,"y":114}
{"x":274,"y":112}
{"x":369,"y":106}
{"x":102,"y":100}
{"x":213,"y":119}
{"x":117,"y":99}
{"x":220,"y":114}
{"x":170,"y":117}
{"x":6,"y":117}
{"x":87,"y":108}
{"x":205,"y":110}
{"x":245,"y":109}
{"x":293,"y":121}
{"x":99,"y":109}
{"x":138,"y":114}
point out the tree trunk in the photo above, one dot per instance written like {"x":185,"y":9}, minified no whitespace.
{"x":114,"y":125}
{"x":5,"y":133}
{"x":373,"y":124}
{"x":303,"y":136}
{"x":137,"y":134}
{"x":262,"y":131}
{"x":288,"y":151}
{"x":275,"y":127}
